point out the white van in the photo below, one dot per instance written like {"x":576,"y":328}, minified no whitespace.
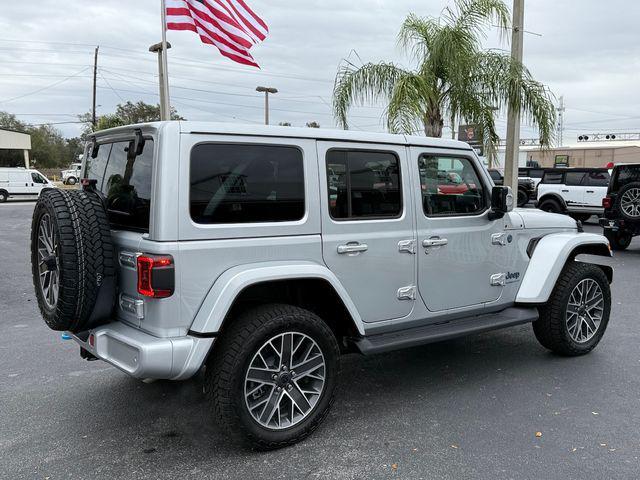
{"x":21,"y":182}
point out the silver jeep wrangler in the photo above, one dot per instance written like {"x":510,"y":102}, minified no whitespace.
{"x":262,"y":254}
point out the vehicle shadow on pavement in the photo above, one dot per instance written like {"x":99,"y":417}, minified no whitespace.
{"x":174,"y":418}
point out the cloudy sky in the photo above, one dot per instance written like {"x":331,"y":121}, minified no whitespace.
{"x":588,"y":51}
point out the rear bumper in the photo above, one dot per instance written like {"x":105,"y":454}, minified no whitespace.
{"x":144,"y":356}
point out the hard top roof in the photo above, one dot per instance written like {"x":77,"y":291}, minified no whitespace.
{"x":187,"y":127}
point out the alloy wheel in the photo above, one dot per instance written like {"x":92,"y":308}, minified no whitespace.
{"x":585,"y":310}
{"x":630,"y":202}
{"x":48,"y":263}
{"x":285,"y":380}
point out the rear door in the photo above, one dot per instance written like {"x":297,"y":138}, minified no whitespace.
{"x":597,"y":184}
{"x":368,"y":237}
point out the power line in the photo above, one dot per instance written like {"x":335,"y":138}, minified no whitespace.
{"x":44,"y":88}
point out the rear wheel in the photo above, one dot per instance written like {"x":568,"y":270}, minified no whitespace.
{"x":523,"y":197}
{"x":619,"y":240}
{"x":576,"y":315}
{"x":71,"y":181}
{"x":550,"y":205}
{"x":4,"y":196}
{"x":272,"y":375}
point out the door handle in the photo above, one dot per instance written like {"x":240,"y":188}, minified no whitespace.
{"x":590,"y":191}
{"x":565,"y":191}
{"x":352,"y":248}
{"x":435,"y":242}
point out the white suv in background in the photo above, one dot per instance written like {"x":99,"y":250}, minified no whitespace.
{"x":577,"y":192}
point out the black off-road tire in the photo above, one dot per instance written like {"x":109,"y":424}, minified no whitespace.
{"x":551,"y":328}
{"x":619,"y":240}
{"x":523,"y":197}
{"x":4,"y":196}
{"x":71,"y":181}
{"x":231,"y":358}
{"x":85,"y":260}
{"x":550,"y":205}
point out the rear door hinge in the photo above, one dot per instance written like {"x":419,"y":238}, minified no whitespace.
{"x":407,"y":246}
{"x":407,"y":293}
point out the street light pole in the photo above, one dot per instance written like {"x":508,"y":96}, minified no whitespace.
{"x":513,"y":120}
{"x":266,"y":91}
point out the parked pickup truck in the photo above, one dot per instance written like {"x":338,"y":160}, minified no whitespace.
{"x":265,"y":253}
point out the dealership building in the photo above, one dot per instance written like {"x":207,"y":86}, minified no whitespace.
{"x":12,"y":140}
{"x":581,"y":154}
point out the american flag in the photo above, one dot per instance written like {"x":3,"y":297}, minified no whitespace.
{"x":229,"y":25}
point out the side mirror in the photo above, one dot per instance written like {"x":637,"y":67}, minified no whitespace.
{"x":502,"y":202}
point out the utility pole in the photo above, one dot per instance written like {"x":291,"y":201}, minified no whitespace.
{"x":165,"y":109}
{"x":513,"y":120}
{"x":94,"y":121}
{"x":561,"y":111}
{"x":267,"y":91}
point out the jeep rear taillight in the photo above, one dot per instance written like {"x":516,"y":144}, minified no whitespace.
{"x":606,"y":202}
{"x":156,"y":276}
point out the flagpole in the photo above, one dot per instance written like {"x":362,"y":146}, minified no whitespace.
{"x":165,"y":104}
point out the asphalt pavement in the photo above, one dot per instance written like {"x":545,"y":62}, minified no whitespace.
{"x":469,"y":408}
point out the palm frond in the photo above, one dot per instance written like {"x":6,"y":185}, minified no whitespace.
{"x":409,"y":104}
{"x":369,"y":83}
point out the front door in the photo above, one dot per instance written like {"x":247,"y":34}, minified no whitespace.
{"x":461,"y":261}
{"x":368,"y":237}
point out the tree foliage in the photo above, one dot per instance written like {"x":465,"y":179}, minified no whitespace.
{"x":453,"y":77}
{"x":127,"y":113}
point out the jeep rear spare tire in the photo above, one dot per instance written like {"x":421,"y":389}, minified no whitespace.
{"x":629,"y":201}
{"x":72,"y":260}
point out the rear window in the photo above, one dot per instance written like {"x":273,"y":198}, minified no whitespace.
{"x":232,"y":183}
{"x":626,"y":174}
{"x":126,"y":183}
{"x":598,"y":179}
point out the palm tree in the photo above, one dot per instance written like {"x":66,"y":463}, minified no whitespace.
{"x":454,"y":78}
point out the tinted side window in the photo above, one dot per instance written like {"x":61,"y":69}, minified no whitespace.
{"x":536,"y":173}
{"x":598,"y":179}
{"x":233,"y":183}
{"x":126,"y":184}
{"x":574,"y":179}
{"x":450,"y":186}
{"x":363,"y":184}
{"x":552,"y":178}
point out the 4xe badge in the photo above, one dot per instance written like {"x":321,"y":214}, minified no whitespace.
{"x":512,"y":277}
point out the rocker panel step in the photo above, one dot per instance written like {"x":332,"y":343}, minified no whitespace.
{"x":460,"y":327}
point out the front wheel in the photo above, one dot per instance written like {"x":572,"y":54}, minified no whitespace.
{"x":575,"y":317}
{"x":272,"y":375}
{"x":71,"y":181}
{"x":619,"y":240}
